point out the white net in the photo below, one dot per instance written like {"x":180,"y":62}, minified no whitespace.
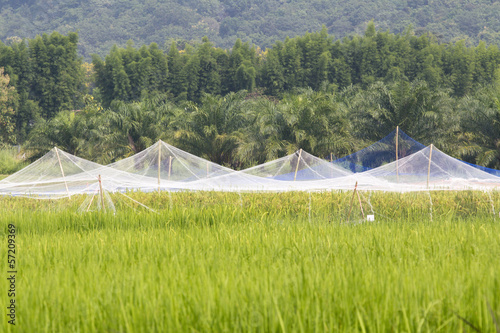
{"x":166,"y":168}
{"x":165,"y":162}
{"x":299,"y":166}
{"x":49,"y":176}
{"x":395,"y":145}
{"x":58,"y":174}
{"x":431,"y":169}
{"x":97,"y":202}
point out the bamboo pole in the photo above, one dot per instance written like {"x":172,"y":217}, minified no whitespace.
{"x":159,"y":165}
{"x":169,"y":166}
{"x":331,"y":161}
{"x":90,"y":203}
{"x":429,"y":168}
{"x":62,"y":171}
{"x":397,"y":154}
{"x":352,"y":200}
{"x":101,"y":194}
{"x":297,"y":167}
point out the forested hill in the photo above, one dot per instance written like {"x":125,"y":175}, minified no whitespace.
{"x":102,"y":23}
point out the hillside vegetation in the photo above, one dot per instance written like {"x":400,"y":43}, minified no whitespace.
{"x":243,"y":106}
{"x":103,"y":23}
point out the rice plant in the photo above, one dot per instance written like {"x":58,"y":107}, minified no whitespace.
{"x":214,"y":262}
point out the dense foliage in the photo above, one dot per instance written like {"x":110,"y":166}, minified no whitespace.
{"x":105,"y":23}
{"x":47,"y":76}
{"x":314,"y":60}
{"x":244,"y":106}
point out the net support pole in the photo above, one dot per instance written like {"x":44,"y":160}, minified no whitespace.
{"x":62,"y":171}
{"x":397,"y":155}
{"x":159,"y":165}
{"x":429,"y":167}
{"x":90,"y":203}
{"x":297,"y":167}
{"x":101,"y":194}
{"x":331,"y":161}
{"x":169,"y":166}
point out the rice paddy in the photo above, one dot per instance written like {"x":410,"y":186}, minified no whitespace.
{"x":228,"y":262}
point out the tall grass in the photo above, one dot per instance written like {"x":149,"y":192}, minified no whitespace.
{"x":9,"y":163}
{"x":215,"y":262}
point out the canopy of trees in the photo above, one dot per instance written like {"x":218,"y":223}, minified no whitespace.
{"x":313,"y":60}
{"x":242,"y":106}
{"x":47,"y":76}
{"x":104,"y":23}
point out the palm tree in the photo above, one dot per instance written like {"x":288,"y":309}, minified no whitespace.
{"x":424,"y":114}
{"x":262,"y":139}
{"x":77,"y":132}
{"x":312,"y":120}
{"x":480,"y":128}
{"x":210,"y":129}
{"x":316,"y":122}
{"x":137,"y":125}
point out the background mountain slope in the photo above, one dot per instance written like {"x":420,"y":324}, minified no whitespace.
{"x":102,"y":23}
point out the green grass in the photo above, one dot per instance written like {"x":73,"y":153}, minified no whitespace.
{"x":257,"y":262}
{"x":9,"y":162}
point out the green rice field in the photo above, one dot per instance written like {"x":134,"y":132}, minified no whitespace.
{"x":229,"y":262}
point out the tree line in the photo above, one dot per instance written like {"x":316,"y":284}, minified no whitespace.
{"x":312,"y":60}
{"x":47,"y":78}
{"x":244,"y":106}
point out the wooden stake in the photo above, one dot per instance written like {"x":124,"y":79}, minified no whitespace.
{"x":159,"y":164}
{"x":62,"y":172}
{"x":429,"y":168}
{"x":397,"y":162}
{"x":352,"y":200}
{"x":169,"y":166}
{"x":297,"y":167}
{"x":331,"y":161}
{"x":91,"y":200}
{"x":101,"y":194}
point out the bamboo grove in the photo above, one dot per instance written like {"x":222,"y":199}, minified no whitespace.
{"x":243,"y":106}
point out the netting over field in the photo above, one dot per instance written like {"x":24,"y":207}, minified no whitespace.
{"x":431,"y":169}
{"x":49,"y":177}
{"x":169,"y":163}
{"x":163,"y":167}
{"x":485,"y":169}
{"x":381,"y":152}
{"x":385,"y":150}
{"x":299,"y":166}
